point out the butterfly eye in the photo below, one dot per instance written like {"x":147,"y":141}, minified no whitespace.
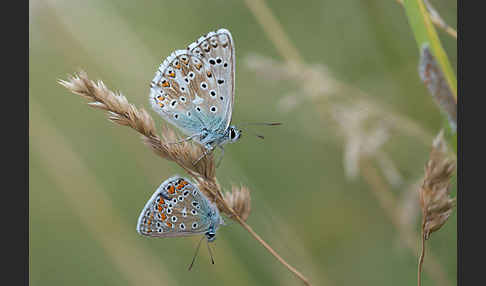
{"x":220,"y":81}
{"x":194,"y":225}
{"x":173,"y":218}
{"x":182,"y":226}
{"x":198,"y":108}
{"x":225,"y":65}
{"x":204,"y":85}
{"x":212,"y":61}
{"x":191,"y":75}
{"x":232,"y":134}
{"x":212,"y":93}
{"x":219,"y":60}
{"x":213,"y":109}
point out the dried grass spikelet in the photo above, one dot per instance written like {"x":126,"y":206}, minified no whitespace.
{"x":434,"y":194}
{"x":364,"y":135}
{"x":433,"y":77}
{"x":315,"y":80}
{"x":120,"y":111}
{"x":239,"y":200}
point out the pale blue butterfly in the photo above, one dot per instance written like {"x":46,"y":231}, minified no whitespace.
{"x":179,"y":208}
{"x":194,"y":89}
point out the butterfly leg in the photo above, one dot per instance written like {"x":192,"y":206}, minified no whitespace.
{"x":185,"y":139}
{"x":208,"y":150}
{"x":221,"y":156}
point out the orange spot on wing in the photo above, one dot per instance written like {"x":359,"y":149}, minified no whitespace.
{"x":164,"y":84}
{"x":160,"y":208}
{"x":178,"y":66}
{"x":198,"y":66}
{"x":172,"y":74}
{"x":169,"y":224}
{"x":180,"y":186}
{"x":209,"y":74}
{"x":163,"y":216}
{"x":171,"y":190}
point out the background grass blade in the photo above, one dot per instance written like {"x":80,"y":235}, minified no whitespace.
{"x":424,"y":32}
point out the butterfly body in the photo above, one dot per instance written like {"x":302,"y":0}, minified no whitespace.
{"x":193,"y":89}
{"x":179,"y":208}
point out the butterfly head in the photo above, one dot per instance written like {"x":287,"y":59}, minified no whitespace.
{"x":211,"y":234}
{"x":234,"y":134}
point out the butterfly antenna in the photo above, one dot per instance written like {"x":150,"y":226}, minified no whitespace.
{"x":253,"y":133}
{"x":263,"y":123}
{"x":195,"y":254}
{"x":210,"y":252}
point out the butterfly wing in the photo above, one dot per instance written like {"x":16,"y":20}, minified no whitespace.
{"x":217,"y":50}
{"x":177,"y":208}
{"x":194,"y":88}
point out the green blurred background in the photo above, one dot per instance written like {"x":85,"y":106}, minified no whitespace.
{"x":90,"y":178}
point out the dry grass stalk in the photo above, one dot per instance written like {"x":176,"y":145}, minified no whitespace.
{"x":434,"y":194}
{"x":437,"y":19}
{"x":121,"y":112}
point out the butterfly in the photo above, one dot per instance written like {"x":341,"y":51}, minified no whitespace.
{"x":194,"y":89}
{"x":179,"y":208}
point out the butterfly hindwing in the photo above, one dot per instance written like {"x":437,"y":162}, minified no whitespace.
{"x":194,"y":88}
{"x":177,"y":208}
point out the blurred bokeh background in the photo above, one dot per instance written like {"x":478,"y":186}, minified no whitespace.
{"x":338,"y":220}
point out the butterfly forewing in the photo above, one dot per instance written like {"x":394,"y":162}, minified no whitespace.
{"x":177,"y":208}
{"x":217,"y":50}
{"x":194,"y":88}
